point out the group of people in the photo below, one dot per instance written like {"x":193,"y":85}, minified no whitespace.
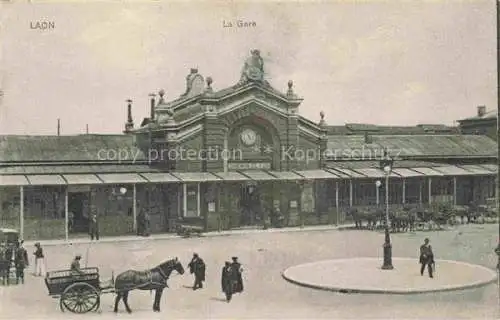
{"x":231,"y":277}
{"x":93,"y":225}
{"x":19,"y":255}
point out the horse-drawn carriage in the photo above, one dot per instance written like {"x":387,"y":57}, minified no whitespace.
{"x":78,"y":293}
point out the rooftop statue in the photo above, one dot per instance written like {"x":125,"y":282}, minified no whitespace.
{"x":253,"y":70}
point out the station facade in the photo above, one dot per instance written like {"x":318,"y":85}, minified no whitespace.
{"x":234,"y":158}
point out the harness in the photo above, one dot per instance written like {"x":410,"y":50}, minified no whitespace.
{"x":150,"y":280}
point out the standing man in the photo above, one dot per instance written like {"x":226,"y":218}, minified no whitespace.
{"x":39,"y":260}
{"x":227,"y":280}
{"x":426,"y":257}
{"x":236,"y":267}
{"x":197,"y":267}
{"x":93,"y":227}
{"x":21,"y":262}
{"x":140,"y":223}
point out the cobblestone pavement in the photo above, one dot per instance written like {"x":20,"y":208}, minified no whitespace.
{"x":267,"y":295}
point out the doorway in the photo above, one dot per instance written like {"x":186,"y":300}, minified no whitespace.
{"x":78,"y":220}
{"x":250,"y":206}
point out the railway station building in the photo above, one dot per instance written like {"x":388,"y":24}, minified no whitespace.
{"x":232,"y":158}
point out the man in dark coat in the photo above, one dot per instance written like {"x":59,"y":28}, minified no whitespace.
{"x":236,"y":267}
{"x":227,"y":279}
{"x":140,"y":223}
{"x":93,"y":227}
{"x":197,"y":267}
{"x":75,"y":266}
{"x":426,"y":257}
{"x":21,"y":262}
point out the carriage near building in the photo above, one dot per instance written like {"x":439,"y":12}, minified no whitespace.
{"x":78,"y":293}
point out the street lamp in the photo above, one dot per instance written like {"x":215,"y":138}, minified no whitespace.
{"x":378,"y":184}
{"x":386,"y":165}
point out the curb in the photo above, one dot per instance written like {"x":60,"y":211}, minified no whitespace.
{"x":166,"y":236}
{"x":346,"y":290}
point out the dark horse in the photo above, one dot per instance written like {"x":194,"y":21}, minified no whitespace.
{"x":153,"y":279}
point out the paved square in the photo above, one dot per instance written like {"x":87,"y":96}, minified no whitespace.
{"x":267,"y":295}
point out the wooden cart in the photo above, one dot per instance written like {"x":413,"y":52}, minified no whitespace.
{"x":78,"y":293}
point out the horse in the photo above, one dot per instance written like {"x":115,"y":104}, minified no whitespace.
{"x":152,"y":279}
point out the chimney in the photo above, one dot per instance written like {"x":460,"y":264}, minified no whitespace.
{"x":368,"y":138}
{"x":152,"y":110}
{"x":58,"y":127}
{"x":481,"y":111}
{"x":129,"y":125}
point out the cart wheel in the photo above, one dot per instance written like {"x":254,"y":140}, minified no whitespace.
{"x":80,"y":297}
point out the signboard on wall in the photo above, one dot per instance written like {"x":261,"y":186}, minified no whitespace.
{"x":76,"y":189}
{"x":249,"y":166}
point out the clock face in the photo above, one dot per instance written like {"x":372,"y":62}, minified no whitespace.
{"x":248,"y":137}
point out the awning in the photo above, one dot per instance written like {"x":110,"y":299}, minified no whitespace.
{"x":339,"y":174}
{"x":428,"y":172}
{"x":196,"y":176}
{"x":407,"y":173}
{"x":478,"y":170}
{"x":317,"y":174}
{"x":159,"y":177}
{"x":375,"y":173}
{"x":453,"y":171}
{"x":13,"y":180}
{"x":348,"y":172}
{"x":231,"y":176}
{"x":120,"y":178}
{"x":81,"y":179}
{"x":286,"y":175}
{"x":45,"y":180}
{"x":258,"y":175}
{"x":491,"y":167}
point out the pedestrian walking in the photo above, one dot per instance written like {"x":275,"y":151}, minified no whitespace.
{"x":426,"y":258}
{"x":236,"y":267}
{"x":94,"y":227}
{"x":39,"y":260}
{"x":227,"y":280}
{"x":197,"y":267}
{"x":21,"y":262}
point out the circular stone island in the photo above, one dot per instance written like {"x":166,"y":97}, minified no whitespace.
{"x":364,"y":275}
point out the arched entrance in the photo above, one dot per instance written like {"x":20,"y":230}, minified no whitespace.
{"x":257,"y":143}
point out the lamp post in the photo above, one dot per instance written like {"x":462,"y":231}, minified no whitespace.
{"x":386,"y":165}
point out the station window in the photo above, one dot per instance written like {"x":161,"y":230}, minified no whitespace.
{"x":191,"y":200}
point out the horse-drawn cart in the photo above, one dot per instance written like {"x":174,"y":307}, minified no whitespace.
{"x":78,"y":293}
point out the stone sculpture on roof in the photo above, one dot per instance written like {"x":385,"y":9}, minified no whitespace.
{"x":194,"y":83}
{"x":253,"y":70}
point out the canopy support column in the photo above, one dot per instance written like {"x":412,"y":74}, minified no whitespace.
{"x":337,"y":202}
{"x":21,"y":211}
{"x":134,"y":207}
{"x":404,"y":191}
{"x":66,"y":217}
{"x":350,"y":193}
{"x":430,"y":190}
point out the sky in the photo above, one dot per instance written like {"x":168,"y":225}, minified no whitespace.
{"x":392,"y":62}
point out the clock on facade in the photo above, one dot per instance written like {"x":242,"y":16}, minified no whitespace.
{"x":248,"y":137}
